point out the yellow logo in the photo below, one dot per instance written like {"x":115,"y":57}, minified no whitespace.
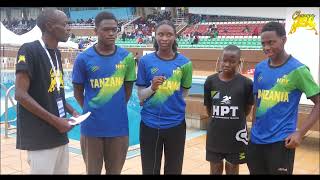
{"x":22,"y":58}
{"x":120,"y":66}
{"x":242,"y":155}
{"x":177,"y":72}
{"x":170,"y":85}
{"x":106,"y":82}
{"x":305,"y":21}
{"x":284,"y":80}
{"x":53,"y":83}
{"x":270,"y":95}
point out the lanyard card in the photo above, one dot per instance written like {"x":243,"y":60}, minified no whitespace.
{"x":60,"y":107}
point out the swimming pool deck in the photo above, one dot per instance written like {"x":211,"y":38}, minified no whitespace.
{"x":307,"y":158}
{"x":14,"y":161}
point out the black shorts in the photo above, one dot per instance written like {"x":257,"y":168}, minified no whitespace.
{"x":272,"y":158}
{"x":233,"y":158}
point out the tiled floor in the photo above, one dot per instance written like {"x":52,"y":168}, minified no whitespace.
{"x":306,"y":160}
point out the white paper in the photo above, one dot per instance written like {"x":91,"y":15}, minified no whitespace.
{"x":78,"y":120}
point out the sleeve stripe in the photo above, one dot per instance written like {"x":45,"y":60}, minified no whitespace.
{"x":142,"y":85}
{"x":186,"y":87}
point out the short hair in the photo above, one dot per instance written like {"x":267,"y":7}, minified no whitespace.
{"x":169,"y":23}
{"x":45,"y":16}
{"x":104,"y":16}
{"x":232,"y":48}
{"x":274,"y":26}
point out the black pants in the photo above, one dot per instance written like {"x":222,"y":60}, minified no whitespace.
{"x":272,"y":158}
{"x":152,"y":143}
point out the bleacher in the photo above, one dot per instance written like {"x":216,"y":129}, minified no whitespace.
{"x":234,"y":35}
{"x":228,"y":33}
{"x":215,"y":43}
{"x":237,"y":29}
{"x":233,"y":29}
{"x":221,"y":42}
{"x":204,"y":42}
{"x":201,"y":29}
{"x":129,"y":43}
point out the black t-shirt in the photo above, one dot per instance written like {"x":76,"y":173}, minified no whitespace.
{"x":227,"y":131}
{"x":32,"y":132}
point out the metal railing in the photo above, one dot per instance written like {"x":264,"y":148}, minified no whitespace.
{"x":81,"y":26}
{"x":8,"y":98}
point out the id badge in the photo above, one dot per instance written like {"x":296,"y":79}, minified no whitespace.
{"x":60,"y":107}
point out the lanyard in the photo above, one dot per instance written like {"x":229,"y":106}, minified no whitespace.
{"x":56,"y":73}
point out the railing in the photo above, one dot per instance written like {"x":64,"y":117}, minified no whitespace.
{"x":8,"y":98}
{"x":81,"y":26}
{"x":181,"y":28}
{"x":179,"y":21}
{"x":132,"y":19}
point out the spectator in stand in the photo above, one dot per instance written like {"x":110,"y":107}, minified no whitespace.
{"x":178,"y":37}
{"x":81,"y":44}
{"x":211,"y":34}
{"x":144,"y":39}
{"x":136,"y":58}
{"x":139,"y":33}
{"x":73,"y":36}
{"x":195,"y":40}
{"x":149,"y":39}
{"x":255,"y":31}
{"x":19,"y":26}
{"x":213,"y":27}
{"x":246,"y":29}
{"x":192,"y":34}
{"x":129,"y":35}
{"x":124,"y":36}
{"x":188,"y":38}
{"x":139,"y":40}
{"x":216,"y":33}
{"x":196,"y":27}
{"x":133,"y":35}
{"x":153,"y":34}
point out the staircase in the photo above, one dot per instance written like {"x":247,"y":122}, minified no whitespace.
{"x":180,"y":22}
{"x":180,"y":18}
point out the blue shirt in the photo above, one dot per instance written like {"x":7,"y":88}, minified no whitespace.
{"x":278,"y":91}
{"x":166,"y":107}
{"x":103,"y":80}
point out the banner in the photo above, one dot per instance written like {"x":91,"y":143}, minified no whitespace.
{"x":302,"y":28}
